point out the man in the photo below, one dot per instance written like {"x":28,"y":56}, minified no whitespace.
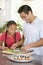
{"x":33,"y":30}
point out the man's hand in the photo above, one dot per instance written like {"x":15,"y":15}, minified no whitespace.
{"x":25,"y":48}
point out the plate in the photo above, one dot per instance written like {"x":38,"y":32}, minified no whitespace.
{"x":16,"y":60}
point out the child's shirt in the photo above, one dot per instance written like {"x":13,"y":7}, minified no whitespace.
{"x":10,"y":40}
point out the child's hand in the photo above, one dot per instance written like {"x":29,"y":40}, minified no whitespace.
{"x":14,"y":46}
{"x":4,"y":48}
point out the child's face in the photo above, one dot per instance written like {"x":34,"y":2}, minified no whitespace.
{"x":11,"y":29}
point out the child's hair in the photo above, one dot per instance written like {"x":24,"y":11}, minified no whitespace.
{"x":10,"y":23}
{"x":7,"y":25}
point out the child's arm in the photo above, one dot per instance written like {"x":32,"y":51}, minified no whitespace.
{"x":2,"y":47}
{"x":1,"y":43}
{"x":20,"y":42}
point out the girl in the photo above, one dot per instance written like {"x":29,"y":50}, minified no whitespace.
{"x":10,"y":37}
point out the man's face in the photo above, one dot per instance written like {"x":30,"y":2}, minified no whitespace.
{"x":25,"y":17}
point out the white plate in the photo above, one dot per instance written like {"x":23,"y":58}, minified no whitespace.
{"x":12,"y":59}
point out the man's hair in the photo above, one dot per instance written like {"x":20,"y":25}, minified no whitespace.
{"x":25,"y":9}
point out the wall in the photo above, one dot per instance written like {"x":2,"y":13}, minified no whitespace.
{"x":5,"y":13}
{"x":10,"y":8}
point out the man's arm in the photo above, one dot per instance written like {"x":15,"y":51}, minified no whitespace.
{"x":36,"y":44}
{"x":33,"y":45}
